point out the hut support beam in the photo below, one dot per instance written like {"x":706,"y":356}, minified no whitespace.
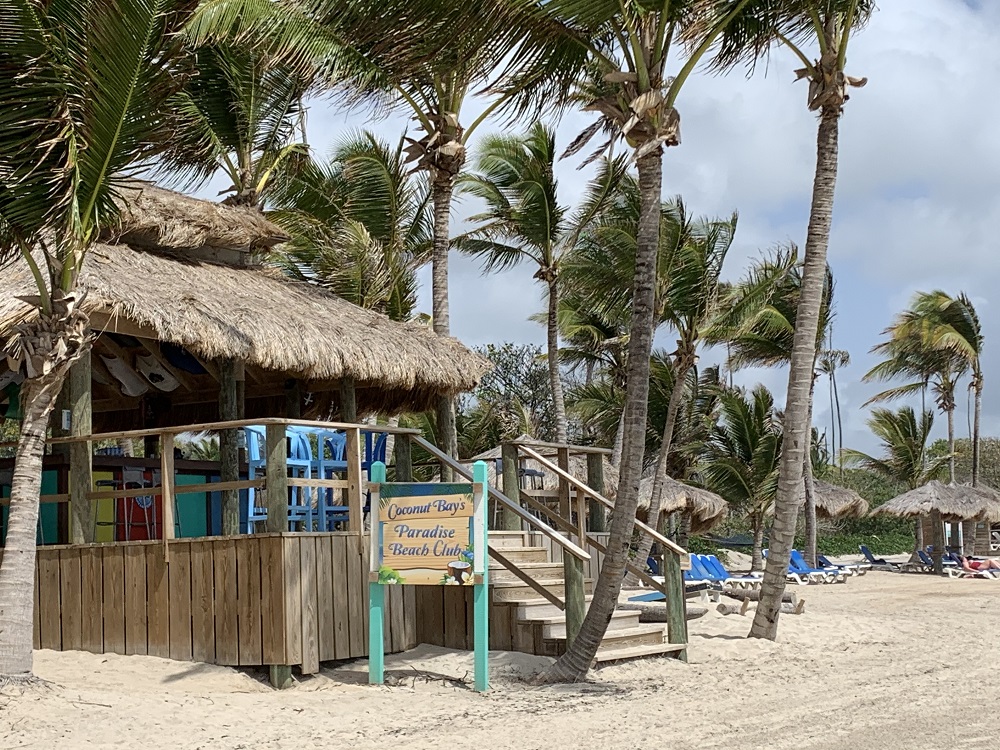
{"x":229,"y":445}
{"x":293,"y":399}
{"x":276,"y":491}
{"x":937,"y":531}
{"x":81,"y":480}
{"x":404,"y":459}
{"x":348,"y":401}
{"x":511,"y":487}
{"x":576,"y":603}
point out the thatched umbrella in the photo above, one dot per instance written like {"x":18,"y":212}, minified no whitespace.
{"x":833,"y":501}
{"x":954,"y":502}
{"x":706,"y":509}
{"x":549,"y":479}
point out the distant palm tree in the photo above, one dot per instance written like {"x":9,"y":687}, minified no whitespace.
{"x":523,"y":221}
{"x":84,"y":87}
{"x":360,"y":225}
{"x":906,"y":459}
{"x":831,"y":360}
{"x":829,"y":24}
{"x":742,"y":457}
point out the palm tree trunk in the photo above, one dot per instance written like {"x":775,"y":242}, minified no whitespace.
{"x":555,"y":379}
{"x":756,"y":551}
{"x":574,"y":664}
{"x":17,"y":572}
{"x":809,"y":488}
{"x":951,"y":444}
{"x":441,"y":192}
{"x":616,"y":449}
{"x":969,"y":527}
{"x":800,"y":376}
{"x":840,"y":425}
{"x":659,"y":479}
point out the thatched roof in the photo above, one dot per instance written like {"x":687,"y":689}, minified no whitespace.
{"x":550,"y":481}
{"x":705,"y":508}
{"x":153,"y":217}
{"x":955,"y":502}
{"x":248,"y":313}
{"x":833,"y":501}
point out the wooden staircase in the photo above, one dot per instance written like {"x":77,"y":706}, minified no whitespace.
{"x":521,"y":620}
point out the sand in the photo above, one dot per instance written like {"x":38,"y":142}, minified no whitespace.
{"x":884,"y":661}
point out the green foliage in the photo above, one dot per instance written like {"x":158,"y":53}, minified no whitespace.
{"x":989,"y":462}
{"x":387,"y":575}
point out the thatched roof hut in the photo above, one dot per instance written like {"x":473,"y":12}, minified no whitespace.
{"x":706,"y":508}
{"x":833,"y":501}
{"x":183,"y":275}
{"x":955,"y":502}
{"x":549,"y":480}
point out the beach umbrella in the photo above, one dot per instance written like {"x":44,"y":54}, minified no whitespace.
{"x":833,"y":501}
{"x":705,"y":508}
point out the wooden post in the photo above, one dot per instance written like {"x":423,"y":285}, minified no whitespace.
{"x":293,"y":399}
{"x":576,"y":603}
{"x":676,"y":601}
{"x":937,"y":536}
{"x":81,"y":480}
{"x":355,"y":491}
{"x":276,"y":490}
{"x":281,"y":676}
{"x":348,"y":401}
{"x":511,"y":487}
{"x":229,"y":469}
{"x":595,"y":480}
{"x":167,"y":496}
{"x":404,"y":459}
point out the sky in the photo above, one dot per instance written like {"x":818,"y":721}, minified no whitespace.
{"x":918,"y":194}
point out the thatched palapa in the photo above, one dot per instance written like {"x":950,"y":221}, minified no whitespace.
{"x":183,"y":271}
{"x":705,"y":508}
{"x":833,"y":501}
{"x":955,"y":502}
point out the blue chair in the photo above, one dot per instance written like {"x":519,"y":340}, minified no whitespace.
{"x":877,"y":563}
{"x":299,"y":464}
{"x":854,"y":569}
{"x":331,"y":514}
{"x":714,"y":564}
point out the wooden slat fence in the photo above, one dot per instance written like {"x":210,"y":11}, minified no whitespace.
{"x":287,"y":599}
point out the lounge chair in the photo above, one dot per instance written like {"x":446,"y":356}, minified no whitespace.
{"x":854,"y":569}
{"x":878,"y":563}
{"x":955,"y":569}
{"x":800,"y":566}
{"x":714,"y":564}
{"x":800,"y":578}
{"x":928,"y":562}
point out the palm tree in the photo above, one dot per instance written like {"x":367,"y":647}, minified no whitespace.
{"x":906,"y":459}
{"x":83,"y":92}
{"x":758,"y":324}
{"x":742,"y":457}
{"x":689,"y":302}
{"x":240,"y":115}
{"x":360,"y":225}
{"x":523,"y":220}
{"x":830,"y":24}
{"x":831,"y":360}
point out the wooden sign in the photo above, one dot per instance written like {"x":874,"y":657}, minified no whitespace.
{"x":429,"y":534}
{"x":426,"y":534}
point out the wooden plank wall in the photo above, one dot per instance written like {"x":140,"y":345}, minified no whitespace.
{"x":591,"y":568}
{"x":295,"y":599}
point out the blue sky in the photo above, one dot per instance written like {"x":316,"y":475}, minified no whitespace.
{"x":918,"y":201}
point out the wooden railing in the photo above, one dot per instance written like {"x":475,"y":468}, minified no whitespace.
{"x":575,"y":551}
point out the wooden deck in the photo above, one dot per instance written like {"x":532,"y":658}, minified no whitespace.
{"x":271,"y":599}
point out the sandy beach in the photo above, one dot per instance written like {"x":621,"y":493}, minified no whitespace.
{"x":884,"y":661}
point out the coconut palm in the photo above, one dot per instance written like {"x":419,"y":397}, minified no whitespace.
{"x":828,"y":25}
{"x":831,"y":360}
{"x":83,"y":89}
{"x":906,"y":458}
{"x":742,"y":457}
{"x":523,"y":221}
{"x":360,"y":225}
{"x":758,"y":323}
{"x":241,"y":115}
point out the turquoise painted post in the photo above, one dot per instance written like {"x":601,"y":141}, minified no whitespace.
{"x":481,"y":592}
{"x":376,"y":591}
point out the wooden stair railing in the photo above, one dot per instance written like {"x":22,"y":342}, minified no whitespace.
{"x":574,"y":588}
{"x":675,"y":558}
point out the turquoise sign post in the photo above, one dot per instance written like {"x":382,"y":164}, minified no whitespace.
{"x":429,"y":534}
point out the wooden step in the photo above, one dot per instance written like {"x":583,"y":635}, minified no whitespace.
{"x":517,"y":591}
{"x":652,"y":634}
{"x":523,"y":555}
{"x":607,"y":655}
{"x":535,"y":608}
{"x":555,"y":627}
{"x":537,"y":571}
{"x":509,"y":539}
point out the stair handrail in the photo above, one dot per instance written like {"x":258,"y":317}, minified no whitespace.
{"x":672,"y":546}
{"x":546,"y":530}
